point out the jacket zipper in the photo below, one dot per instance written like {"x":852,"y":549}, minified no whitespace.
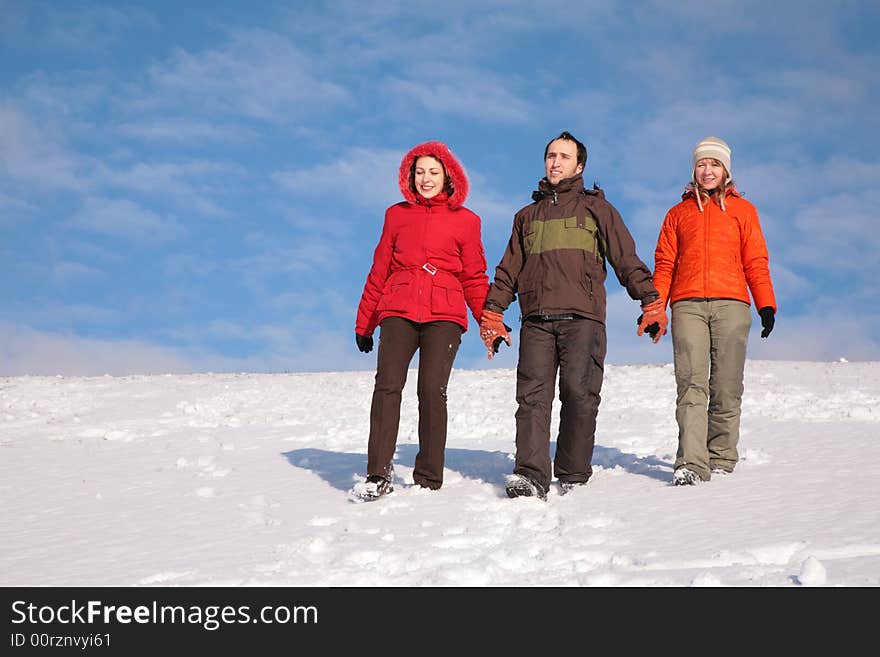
{"x":706,"y":247}
{"x":424,"y":253}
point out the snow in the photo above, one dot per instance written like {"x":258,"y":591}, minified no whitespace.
{"x":243,"y":480}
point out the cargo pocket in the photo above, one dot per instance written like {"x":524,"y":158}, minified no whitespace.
{"x":582,"y":234}
{"x":598,"y":347}
{"x":447,"y":301}
{"x":587,"y":283}
{"x":529,"y":239}
{"x":395,"y":298}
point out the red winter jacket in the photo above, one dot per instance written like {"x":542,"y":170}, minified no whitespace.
{"x":429,"y":261}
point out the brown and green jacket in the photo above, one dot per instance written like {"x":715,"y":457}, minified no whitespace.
{"x":555,"y":259}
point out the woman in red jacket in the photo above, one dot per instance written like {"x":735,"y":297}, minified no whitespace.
{"x":710,"y":254}
{"x":428,"y":268}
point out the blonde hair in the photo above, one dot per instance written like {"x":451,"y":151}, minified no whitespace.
{"x":718,"y":193}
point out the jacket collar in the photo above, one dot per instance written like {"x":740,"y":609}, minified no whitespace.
{"x":689,"y":192}
{"x":545,"y":188}
{"x":440,"y":199}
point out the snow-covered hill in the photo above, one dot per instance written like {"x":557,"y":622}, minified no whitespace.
{"x":242,"y":479}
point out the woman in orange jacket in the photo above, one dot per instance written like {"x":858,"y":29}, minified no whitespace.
{"x":428,"y":269}
{"x":710,"y":254}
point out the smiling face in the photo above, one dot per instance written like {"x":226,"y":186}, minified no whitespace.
{"x":561,"y":161}
{"x":709,"y":173}
{"x":428,"y":176}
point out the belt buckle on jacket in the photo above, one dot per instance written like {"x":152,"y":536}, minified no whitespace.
{"x":428,"y":267}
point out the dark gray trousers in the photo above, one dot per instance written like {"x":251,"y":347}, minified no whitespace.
{"x":576,"y":349}
{"x":437,"y":343}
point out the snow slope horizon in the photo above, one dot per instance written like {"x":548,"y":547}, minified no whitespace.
{"x":241,"y":480}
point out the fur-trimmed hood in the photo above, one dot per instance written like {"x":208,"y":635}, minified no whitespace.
{"x":454,"y":171}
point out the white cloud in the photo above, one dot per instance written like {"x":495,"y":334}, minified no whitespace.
{"x":60,"y":314}
{"x":838,"y":232}
{"x":186,"y":131}
{"x":12,"y":206}
{"x":125,"y":219}
{"x":817,"y":336}
{"x":829,"y":88}
{"x":29,"y":154}
{"x":368,"y":176}
{"x":26,"y":351}
{"x":465,"y":92}
{"x":298,"y":345}
{"x":89,"y":27}
{"x":194,"y":185}
{"x":68,"y":272}
{"x":258,"y":75}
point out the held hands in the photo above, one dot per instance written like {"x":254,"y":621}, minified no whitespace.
{"x":364,"y":342}
{"x":653,"y":320}
{"x":768,"y":319}
{"x":493,"y":331}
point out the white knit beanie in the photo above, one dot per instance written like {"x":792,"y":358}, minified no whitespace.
{"x":715,"y":148}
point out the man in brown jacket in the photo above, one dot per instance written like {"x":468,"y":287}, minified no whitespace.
{"x":555,"y":263}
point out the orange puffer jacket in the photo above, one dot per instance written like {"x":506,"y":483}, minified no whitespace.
{"x":713,"y":253}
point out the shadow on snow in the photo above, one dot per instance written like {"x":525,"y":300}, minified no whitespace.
{"x":342,"y":469}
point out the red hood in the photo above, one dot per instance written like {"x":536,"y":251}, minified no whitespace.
{"x":454,"y":171}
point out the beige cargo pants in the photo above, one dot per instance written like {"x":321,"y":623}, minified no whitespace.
{"x":709,"y":344}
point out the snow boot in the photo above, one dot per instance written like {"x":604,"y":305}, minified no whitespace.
{"x":373,"y":488}
{"x":685,"y":477}
{"x":568,"y":486}
{"x":523,"y":486}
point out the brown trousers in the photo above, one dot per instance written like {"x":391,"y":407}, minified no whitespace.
{"x":437,"y":344}
{"x":576,"y":348}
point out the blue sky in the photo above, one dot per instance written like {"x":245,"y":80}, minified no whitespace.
{"x":199,"y":186}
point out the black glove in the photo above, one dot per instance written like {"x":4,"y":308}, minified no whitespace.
{"x":768,"y":319}
{"x":364,"y":343}
{"x":499,"y":340}
{"x":650,"y":329}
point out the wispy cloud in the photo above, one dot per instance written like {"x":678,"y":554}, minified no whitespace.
{"x":266,"y":145}
{"x":63,"y":315}
{"x":366,"y":175}
{"x":91,"y":27}
{"x":25,"y":351}
{"x":66,"y":272}
{"x":197,"y":185}
{"x":12,"y":206}
{"x":186,"y":131}
{"x":84,"y":27}
{"x":842,"y":233}
{"x":826,"y":331}
{"x":125,"y":219}
{"x":29,"y":154}
{"x":258,"y":74}
{"x":465,"y":92}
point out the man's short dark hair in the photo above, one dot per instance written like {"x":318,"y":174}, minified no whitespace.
{"x":567,"y":136}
